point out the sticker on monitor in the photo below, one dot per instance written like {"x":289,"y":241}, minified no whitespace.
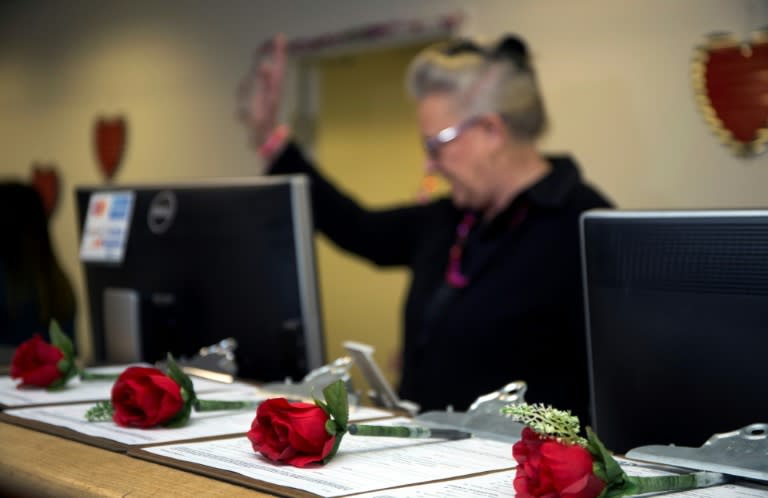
{"x":107,"y":225}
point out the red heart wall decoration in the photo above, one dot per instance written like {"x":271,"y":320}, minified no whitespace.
{"x":45,"y":179}
{"x":731,"y":83}
{"x":110,"y":136}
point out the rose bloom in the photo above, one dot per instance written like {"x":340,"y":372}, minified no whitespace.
{"x":549,"y":468}
{"x":145,"y":397}
{"x":35,"y":362}
{"x":292,"y":433}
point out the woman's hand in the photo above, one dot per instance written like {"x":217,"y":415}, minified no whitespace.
{"x":260,"y":92}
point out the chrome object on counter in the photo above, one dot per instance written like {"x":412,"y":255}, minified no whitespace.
{"x":740,"y":453}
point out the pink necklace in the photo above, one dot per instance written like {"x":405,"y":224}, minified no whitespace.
{"x":453,"y":275}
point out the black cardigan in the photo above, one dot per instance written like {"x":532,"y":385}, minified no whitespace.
{"x":520,"y":317}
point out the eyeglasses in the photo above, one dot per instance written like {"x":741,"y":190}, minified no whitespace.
{"x":433,"y":144}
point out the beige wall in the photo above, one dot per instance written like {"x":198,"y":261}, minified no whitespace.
{"x":616,"y":75}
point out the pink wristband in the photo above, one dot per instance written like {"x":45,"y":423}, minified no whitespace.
{"x":274,"y":141}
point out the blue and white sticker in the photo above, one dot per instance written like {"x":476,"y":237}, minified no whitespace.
{"x":107,"y":225}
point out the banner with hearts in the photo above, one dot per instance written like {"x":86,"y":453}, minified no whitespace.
{"x":45,"y":179}
{"x":730,"y":79}
{"x":110,"y":137}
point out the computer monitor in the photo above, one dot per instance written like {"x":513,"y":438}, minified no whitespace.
{"x":205,"y":261}
{"x":677,"y":323}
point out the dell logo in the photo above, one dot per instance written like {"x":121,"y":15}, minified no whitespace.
{"x":162,"y":211}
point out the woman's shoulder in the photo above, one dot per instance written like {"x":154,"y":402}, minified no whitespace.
{"x":580,"y":194}
{"x":586,"y":196}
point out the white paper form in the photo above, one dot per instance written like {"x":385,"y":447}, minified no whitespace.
{"x":362,"y":463}
{"x":201,"y":424}
{"x":90,"y":390}
{"x":75,"y":390}
{"x":499,"y":485}
{"x":358,"y":413}
{"x":205,"y":386}
{"x":495,"y":485}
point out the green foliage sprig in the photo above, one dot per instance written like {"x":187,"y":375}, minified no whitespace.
{"x":557,"y":424}
{"x":103,"y":411}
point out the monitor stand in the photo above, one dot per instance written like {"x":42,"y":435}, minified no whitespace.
{"x":122,"y":325}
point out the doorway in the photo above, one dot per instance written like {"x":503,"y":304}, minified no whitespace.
{"x":366,"y":140}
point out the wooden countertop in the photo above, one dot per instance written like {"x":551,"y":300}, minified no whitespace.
{"x":35,"y":464}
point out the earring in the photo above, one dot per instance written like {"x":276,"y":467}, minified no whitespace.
{"x":427,"y":188}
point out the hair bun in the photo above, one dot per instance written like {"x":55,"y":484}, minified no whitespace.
{"x":509,"y":47}
{"x":513,"y":47}
{"x":460,"y":46}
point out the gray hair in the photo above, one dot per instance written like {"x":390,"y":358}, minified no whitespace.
{"x":483,"y":78}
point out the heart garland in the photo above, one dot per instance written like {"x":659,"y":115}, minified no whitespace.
{"x":730,"y":79}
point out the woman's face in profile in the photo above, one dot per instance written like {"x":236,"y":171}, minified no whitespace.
{"x":463,"y":160}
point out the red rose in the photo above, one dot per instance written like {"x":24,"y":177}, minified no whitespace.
{"x":145,"y":397}
{"x":556,"y":470}
{"x":292,"y":433}
{"x":36,"y":363}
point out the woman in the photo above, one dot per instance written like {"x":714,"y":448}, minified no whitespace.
{"x":33,"y":288}
{"x":496,"y":290}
